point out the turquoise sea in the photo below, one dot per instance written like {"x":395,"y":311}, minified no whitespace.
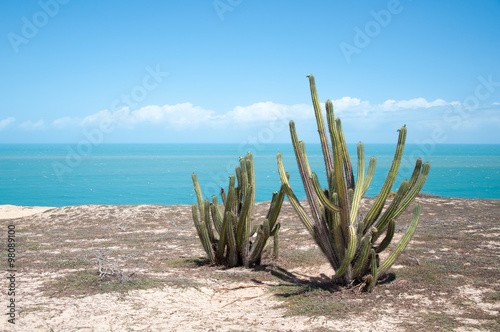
{"x":61,"y":174}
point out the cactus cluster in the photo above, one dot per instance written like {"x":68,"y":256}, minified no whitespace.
{"x":351,"y":243}
{"x":227,"y":230}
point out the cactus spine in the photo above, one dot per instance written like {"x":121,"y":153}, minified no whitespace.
{"x":350,"y":243}
{"x":226,"y":231}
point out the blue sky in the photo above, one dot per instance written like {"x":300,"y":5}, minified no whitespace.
{"x":235,"y":70}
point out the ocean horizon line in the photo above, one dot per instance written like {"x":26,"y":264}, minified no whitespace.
{"x":142,"y":173}
{"x":235,"y":143}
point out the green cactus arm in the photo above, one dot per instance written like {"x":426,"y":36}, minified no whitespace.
{"x":403,"y":242}
{"x":412,"y":194}
{"x":254,"y":229}
{"x":251,"y":182}
{"x":275,"y":207}
{"x":389,"y":213}
{"x":375,"y":271}
{"x":231,"y":240}
{"x":362,"y":257}
{"x":272,"y":215}
{"x":221,"y":247}
{"x":360,"y":178}
{"x":325,"y":146}
{"x":196,"y":220}
{"x":238,"y":175}
{"x":345,"y":156}
{"x":263,"y":240}
{"x":223,"y":196}
{"x":203,"y":235}
{"x":369,"y":175}
{"x":275,"y":230}
{"x":416,"y":172}
{"x":337,"y":156}
{"x":257,"y":247}
{"x":266,"y":228}
{"x":305,"y":172}
{"x":328,"y":214}
{"x":391,"y":228}
{"x":226,"y":221}
{"x":336,"y":228}
{"x":321,"y":196}
{"x":293,"y":199}
{"x":230,"y":218}
{"x":240,"y":188}
{"x":341,"y":185}
{"x":276,"y":245}
{"x":216,"y":215}
{"x":268,"y":242}
{"x":405,"y":196}
{"x":389,"y":181}
{"x":263,"y":233}
{"x":244,"y":175}
{"x":332,"y":186}
{"x":302,"y":147}
{"x":322,"y":239}
{"x":199,"y":195}
{"x":242,"y":229}
{"x":229,"y":203}
{"x":351,"y":250}
{"x":208,"y":222}
{"x":273,"y":201}
{"x":360,"y":230}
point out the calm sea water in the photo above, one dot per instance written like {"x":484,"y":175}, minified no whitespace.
{"x":59,"y":174}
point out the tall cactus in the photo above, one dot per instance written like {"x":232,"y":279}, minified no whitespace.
{"x":226,"y":230}
{"x":351,"y":243}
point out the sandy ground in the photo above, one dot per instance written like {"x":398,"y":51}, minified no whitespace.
{"x":14,"y":211}
{"x":51,"y":239}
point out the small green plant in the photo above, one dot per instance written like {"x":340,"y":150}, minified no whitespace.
{"x":227,"y":230}
{"x":351,"y":243}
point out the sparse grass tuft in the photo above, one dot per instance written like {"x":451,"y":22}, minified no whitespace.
{"x":68,"y":263}
{"x":298,"y":257}
{"x":182,"y":283}
{"x":311,"y":301}
{"x":84,"y":283}
{"x":187,"y":262}
{"x":428,"y":273}
{"x":428,"y":195}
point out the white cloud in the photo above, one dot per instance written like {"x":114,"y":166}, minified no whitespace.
{"x":6,"y":122}
{"x":153,"y":114}
{"x":65,"y":122}
{"x":269,"y":111}
{"x":496,"y":103}
{"x":179,"y":116}
{"x":187,"y":115}
{"x":30,"y":125}
{"x":393,"y":105}
{"x":349,"y":103}
{"x":117,"y":117}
